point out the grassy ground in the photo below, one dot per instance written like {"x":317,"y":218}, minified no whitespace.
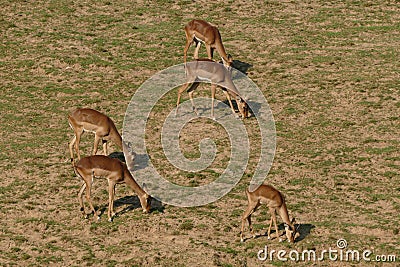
{"x":330,"y":73}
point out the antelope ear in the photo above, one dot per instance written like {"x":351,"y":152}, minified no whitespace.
{"x":293,"y":221}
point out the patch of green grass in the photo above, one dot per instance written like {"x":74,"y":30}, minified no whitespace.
{"x":228,"y":250}
{"x":381,"y":150}
{"x":187,"y":225}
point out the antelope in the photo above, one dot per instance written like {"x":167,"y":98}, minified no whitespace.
{"x":89,"y":120}
{"x":116,"y":172}
{"x":266,"y":194}
{"x":200,"y":31}
{"x":209,"y":70}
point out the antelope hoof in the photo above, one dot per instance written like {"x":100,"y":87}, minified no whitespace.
{"x":241,"y":240}
{"x":269,"y":238}
{"x":280,"y":239}
{"x":110,"y":219}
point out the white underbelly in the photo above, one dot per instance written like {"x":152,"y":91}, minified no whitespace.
{"x":205,"y":79}
{"x":198,"y":40}
{"x":89,"y":131}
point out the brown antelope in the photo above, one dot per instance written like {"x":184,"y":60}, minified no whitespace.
{"x":266,"y":194}
{"x":116,"y":172}
{"x":217,"y":74}
{"x":200,"y":31}
{"x":89,"y":120}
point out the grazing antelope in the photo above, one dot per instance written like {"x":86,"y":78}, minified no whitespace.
{"x":200,"y":31}
{"x":116,"y":172}
{"x":209,"y":70}
{"x":266,"y":194}
{"x":90,"y":120}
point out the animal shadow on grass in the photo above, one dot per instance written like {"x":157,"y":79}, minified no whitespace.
{"x":133,"y":202}
{"x":254,"y":107}
{"x":303,"y":229}
{"x":241,"y":66}
{"x":141,"y":160}
{"x":117,"y":155}
{"x":252,"y":111}
{"x":130,"y":203}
